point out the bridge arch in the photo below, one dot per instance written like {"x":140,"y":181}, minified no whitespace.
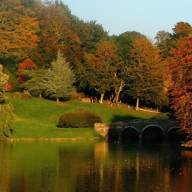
{"x":114,"y":135}
{"x":130,"y":134}
{"x":152,"y":133}
{"x":174,"y":134}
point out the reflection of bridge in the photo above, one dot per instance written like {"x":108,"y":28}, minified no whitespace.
{"x":141,"y":130}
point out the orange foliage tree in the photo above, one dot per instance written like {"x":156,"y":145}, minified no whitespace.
{"x":27,"y":64}
{"x":181,"y":86}
{"x":101,"y":72}
{"x":57,"y":34}
{"x":146,"y":73}
{"x":182,"y":29}
{"x":18,"y":30}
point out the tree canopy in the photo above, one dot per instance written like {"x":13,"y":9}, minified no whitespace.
{"x":90,"y":60}
{"x":181,"y":86}
{"x":145,"y":72}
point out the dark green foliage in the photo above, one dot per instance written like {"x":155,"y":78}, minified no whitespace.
{"x":79,"y":119}
{"x":90,"y":34}
{"x":146,"y":72}
{"x":54,"y":83}
{"x":163,"y":42}
{"x":103,"y":65}
{"x":124,"y":42}
{"x":2,"y":98}
{"x":36,"y":85}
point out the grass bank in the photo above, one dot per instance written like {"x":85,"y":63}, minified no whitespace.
{"x":37,"y":118}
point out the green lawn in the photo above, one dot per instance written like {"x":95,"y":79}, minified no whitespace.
{"x":38,"y":117}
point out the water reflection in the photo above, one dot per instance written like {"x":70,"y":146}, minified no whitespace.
{"x":93,"y":167}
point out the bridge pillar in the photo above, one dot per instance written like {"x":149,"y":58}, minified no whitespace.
{"x":102,"y":129}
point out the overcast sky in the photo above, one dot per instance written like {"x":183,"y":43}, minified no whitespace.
{"x":145,"y":16}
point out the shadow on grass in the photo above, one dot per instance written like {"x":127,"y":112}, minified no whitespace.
{"x":117,"y":118}
{"x":157,"y":117}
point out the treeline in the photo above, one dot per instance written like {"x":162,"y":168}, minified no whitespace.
{"x":128,"y":68}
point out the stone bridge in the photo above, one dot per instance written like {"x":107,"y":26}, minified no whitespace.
{"x":143,"y":131}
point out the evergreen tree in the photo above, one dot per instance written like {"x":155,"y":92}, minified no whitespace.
{"x":37,"y":84}
{"x":59,"y":79}
{"x":55,"y":82}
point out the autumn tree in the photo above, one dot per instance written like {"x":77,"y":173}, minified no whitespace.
{"x":27,"y":64}
{"x":3,"y":78}
{"x":56,"y":33}
{"x":145,"y":72}
{"x":18,"y":30}
{"x":182,"y":29}
{"x":124,"y":42}
{"x":181,"y":87}
{"x":101,"y":71}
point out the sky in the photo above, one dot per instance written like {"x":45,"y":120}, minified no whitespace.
{"x":145,"y":16}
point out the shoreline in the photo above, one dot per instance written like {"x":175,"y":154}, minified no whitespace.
{"x":44,"y":139}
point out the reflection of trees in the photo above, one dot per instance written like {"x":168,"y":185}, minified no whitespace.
{"x":73,"y":161}
{"x":27,"y":167}
{"x":99,"y":167}
{"x":5,"y":167}
{"x":133,"y":170}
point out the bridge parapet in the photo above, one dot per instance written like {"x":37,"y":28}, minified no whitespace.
{"x":117,"y":131}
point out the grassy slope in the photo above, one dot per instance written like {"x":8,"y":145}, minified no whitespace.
{"x":38,"y":117}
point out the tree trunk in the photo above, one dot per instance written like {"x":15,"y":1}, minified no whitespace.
{"x":117,"y":93}
{"x":101,"y":98}
{"x":57,"y":100}
{"x":137,"y":104}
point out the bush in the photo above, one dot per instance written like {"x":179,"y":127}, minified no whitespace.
{"x":6,"y":119}
{"x":80,"y":118}
{"x":2,"y":98}
{"x":24,"y":95}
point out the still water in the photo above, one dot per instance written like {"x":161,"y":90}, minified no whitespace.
{"x":93,"y":167}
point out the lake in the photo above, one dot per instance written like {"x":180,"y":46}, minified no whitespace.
{"x":93,"y":167}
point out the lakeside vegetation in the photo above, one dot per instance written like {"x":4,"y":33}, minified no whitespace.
{"x":50,"y":53}
{"x":39,"y":118}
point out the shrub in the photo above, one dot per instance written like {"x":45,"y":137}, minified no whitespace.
{"x":80,"y":118}
{"x":77,"y":95}
{"x":8,"y":87}
{"x":26,"y":95}
{"x":6,"y":119}
{"x":27,"y":64}
{"x":2,"y":98}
